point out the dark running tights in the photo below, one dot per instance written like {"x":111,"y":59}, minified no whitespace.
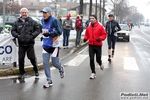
{"x":92,"y":51}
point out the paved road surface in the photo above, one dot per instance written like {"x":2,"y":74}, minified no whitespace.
{"x":128,"y":72}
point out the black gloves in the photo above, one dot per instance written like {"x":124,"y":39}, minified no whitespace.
{"x":98,"y":39}
{"x":84,"y":40}
{"x":46,"y":34}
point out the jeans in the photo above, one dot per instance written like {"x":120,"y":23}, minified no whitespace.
{"x":78,"y":36}
{"x":55,"y":61}
{"x":66,"y":34}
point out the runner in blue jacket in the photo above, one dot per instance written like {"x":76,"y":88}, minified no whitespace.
{"x":51,"y":30}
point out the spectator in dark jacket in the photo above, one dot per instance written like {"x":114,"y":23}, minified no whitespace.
{"x":112,"y":27}
{"x":26,"y":30}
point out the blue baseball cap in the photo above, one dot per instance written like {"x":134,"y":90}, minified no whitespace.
{"x":46,"y":9}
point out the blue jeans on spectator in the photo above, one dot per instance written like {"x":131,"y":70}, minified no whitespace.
{"x":66,"y":34}
{"x":78,"y":36}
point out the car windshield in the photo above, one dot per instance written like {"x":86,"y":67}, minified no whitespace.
{"x":124,"y":27}
{"x":11,"y":19}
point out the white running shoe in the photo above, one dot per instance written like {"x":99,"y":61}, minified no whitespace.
{"x":93,"y":75}
{"x":48,"y":84}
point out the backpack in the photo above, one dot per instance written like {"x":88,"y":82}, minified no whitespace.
{"x":78,"y":24}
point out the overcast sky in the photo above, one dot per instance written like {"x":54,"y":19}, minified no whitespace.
{"x":142,"y":6}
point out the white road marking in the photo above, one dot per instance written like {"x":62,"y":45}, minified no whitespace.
{"x":83,"y":50}
{"x":104,"y":62}
{"x":145,"y":33}
{"x":76,"y":61}
{"x":6,"y":77}
{"x":142,"y":38}
{"x":130,"y":63}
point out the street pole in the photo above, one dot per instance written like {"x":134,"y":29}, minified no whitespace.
{"x":81,"y":7}
{"x":96,"y":8}
{"x":90,"y":8}
{"x":4,"y":5}
{"x":103,"y":12}
{"x":100,"y":10}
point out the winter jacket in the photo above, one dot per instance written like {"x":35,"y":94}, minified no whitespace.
{"x":55,"y":29}
{"x":112,"y":27}
{"x":94,"y":32}
{"x":67,"y":21}
{"x":78,"y":23}
{"x":26,"y":31}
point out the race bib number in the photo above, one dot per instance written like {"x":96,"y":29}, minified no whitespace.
{"x":45,"y":31}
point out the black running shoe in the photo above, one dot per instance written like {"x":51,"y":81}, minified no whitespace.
{"x":36,"y":75}
{"x":21,"y":76}
{"x":109,"y":59}
{"x":112,"y":54}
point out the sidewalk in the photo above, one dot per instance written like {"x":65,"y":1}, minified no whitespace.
{"x":8,"y":69}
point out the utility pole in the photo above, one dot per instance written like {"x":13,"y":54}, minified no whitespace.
{"x":4,"y":5}
{"x":96,"y":8}
{"x":81,"y":7}
{"x":100,"y":10}
{"x":103,"y":12}
{"x":90,"y":8}
{"x":115,"y":9}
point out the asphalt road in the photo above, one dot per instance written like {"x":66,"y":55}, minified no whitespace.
{"x":127,"y":73}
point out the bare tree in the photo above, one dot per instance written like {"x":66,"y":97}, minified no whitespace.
{"x":11,"y":7}
{"x":100,"y":10}
{"x":122,"y":11}
{"x":81,"y":7}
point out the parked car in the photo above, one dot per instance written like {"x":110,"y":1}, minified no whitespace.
{"x":9,"y":20}
{"x":124,"y":34}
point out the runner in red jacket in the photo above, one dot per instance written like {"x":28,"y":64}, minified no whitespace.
{"x":95,"y":34}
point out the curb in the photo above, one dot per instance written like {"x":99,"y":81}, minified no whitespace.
{"x":15,"y":71}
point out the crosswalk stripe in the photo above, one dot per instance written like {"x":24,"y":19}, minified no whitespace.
{"x":104,"y":62}
{"x":130,"y":63}
{"x":76,"y":61}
